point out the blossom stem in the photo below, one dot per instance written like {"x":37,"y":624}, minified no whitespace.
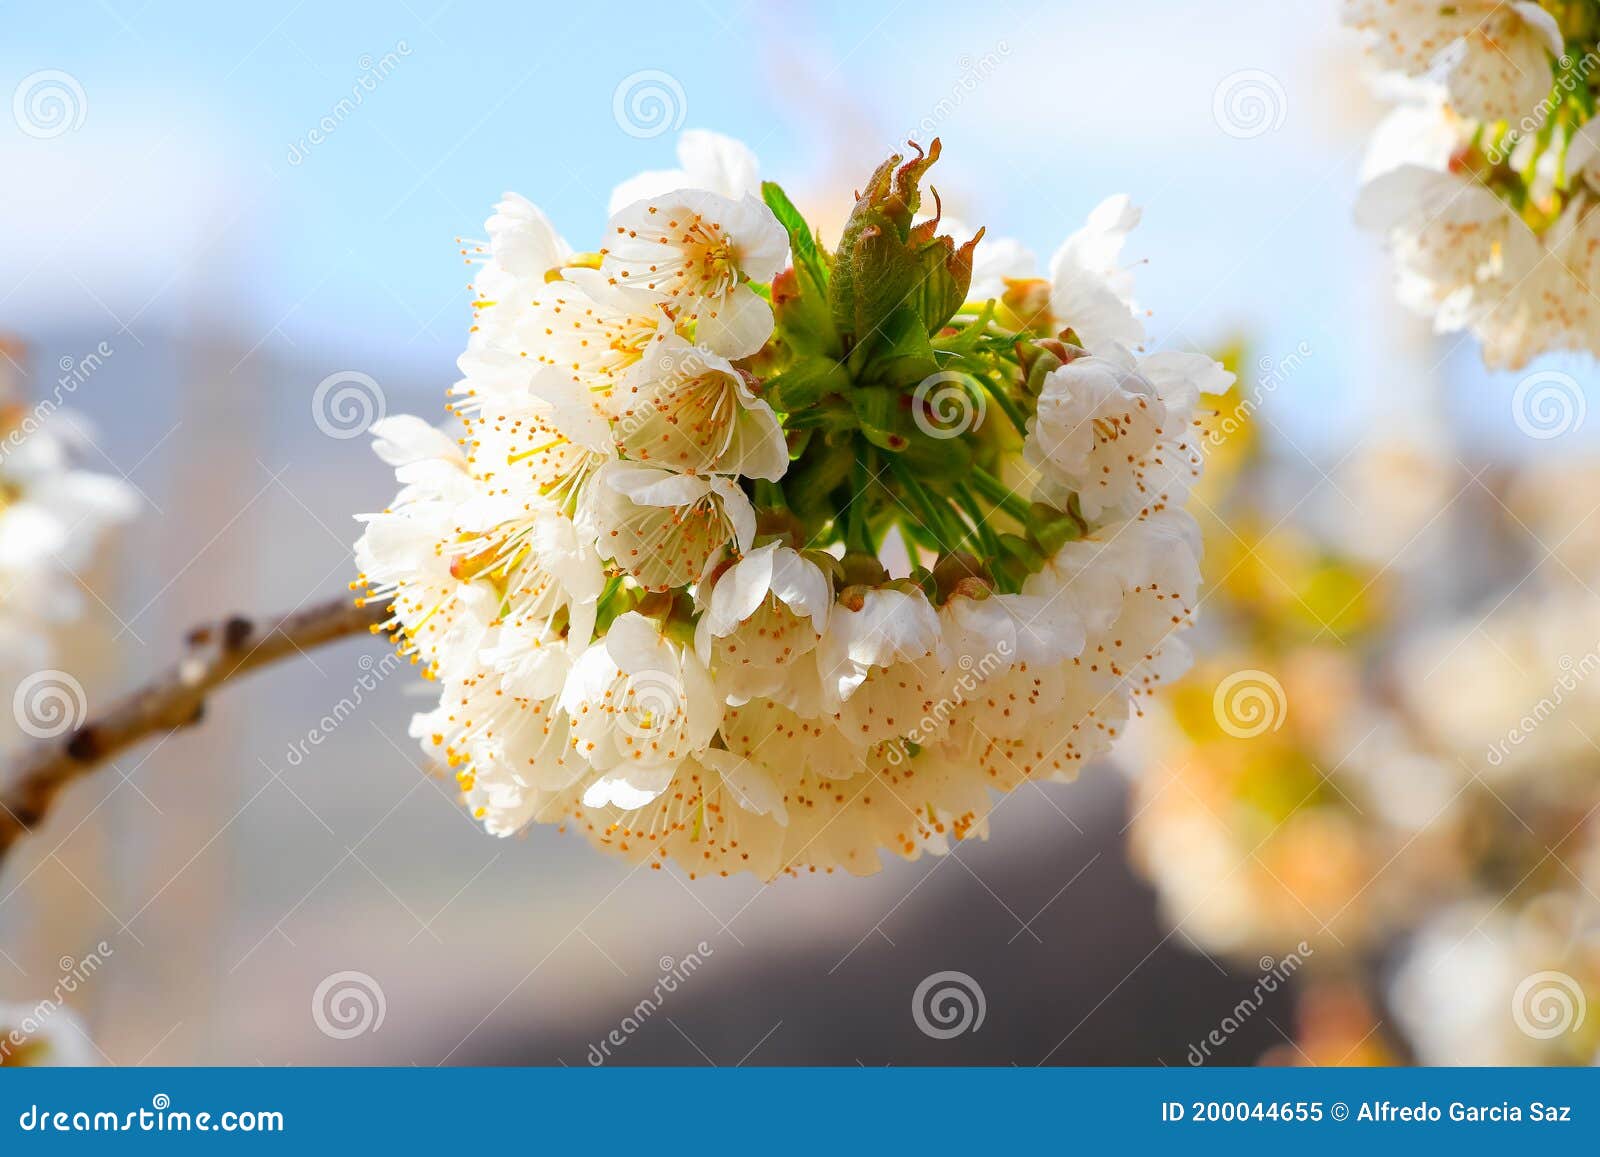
{"x":217,"y":653}
{"x":1007,"y":404}
{"x":987,"y":539}
{"x":937,"y":518}
{"x":857,"y":534}
{"x":1001,"y":495}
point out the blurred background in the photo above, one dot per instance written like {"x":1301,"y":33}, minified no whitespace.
{"x":1362,"y":831}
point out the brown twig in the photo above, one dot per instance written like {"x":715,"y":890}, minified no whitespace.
{"x":217,"y":652}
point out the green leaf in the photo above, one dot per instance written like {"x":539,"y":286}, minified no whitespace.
{"x":945,"y":276}
{"x":881,"y":221}
{"x":946,"y":459}
{"x":884,"y":420}
{"x":811,"y":481}
{"x":885,"y":262}
{"x":806,"y":382}
{"x":800,"y":294}
{"x":804,"y":325}
{"x":898,"y":352}
{"x":808,"y":255}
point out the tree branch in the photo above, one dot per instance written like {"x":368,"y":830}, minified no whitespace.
{"x":217,"y":652}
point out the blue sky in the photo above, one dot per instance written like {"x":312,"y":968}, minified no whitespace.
{"x":191,"y":190}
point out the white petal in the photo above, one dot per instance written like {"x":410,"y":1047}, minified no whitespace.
{"x":737,"y":326}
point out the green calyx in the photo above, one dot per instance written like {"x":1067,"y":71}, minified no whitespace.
{"x":904,"y":402}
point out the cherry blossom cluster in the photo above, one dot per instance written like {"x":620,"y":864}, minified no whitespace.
{"x":756,"y":554}
{"x":1486,"y":176}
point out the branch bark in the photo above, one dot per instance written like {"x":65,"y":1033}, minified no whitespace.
{"x":217,"y":652}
